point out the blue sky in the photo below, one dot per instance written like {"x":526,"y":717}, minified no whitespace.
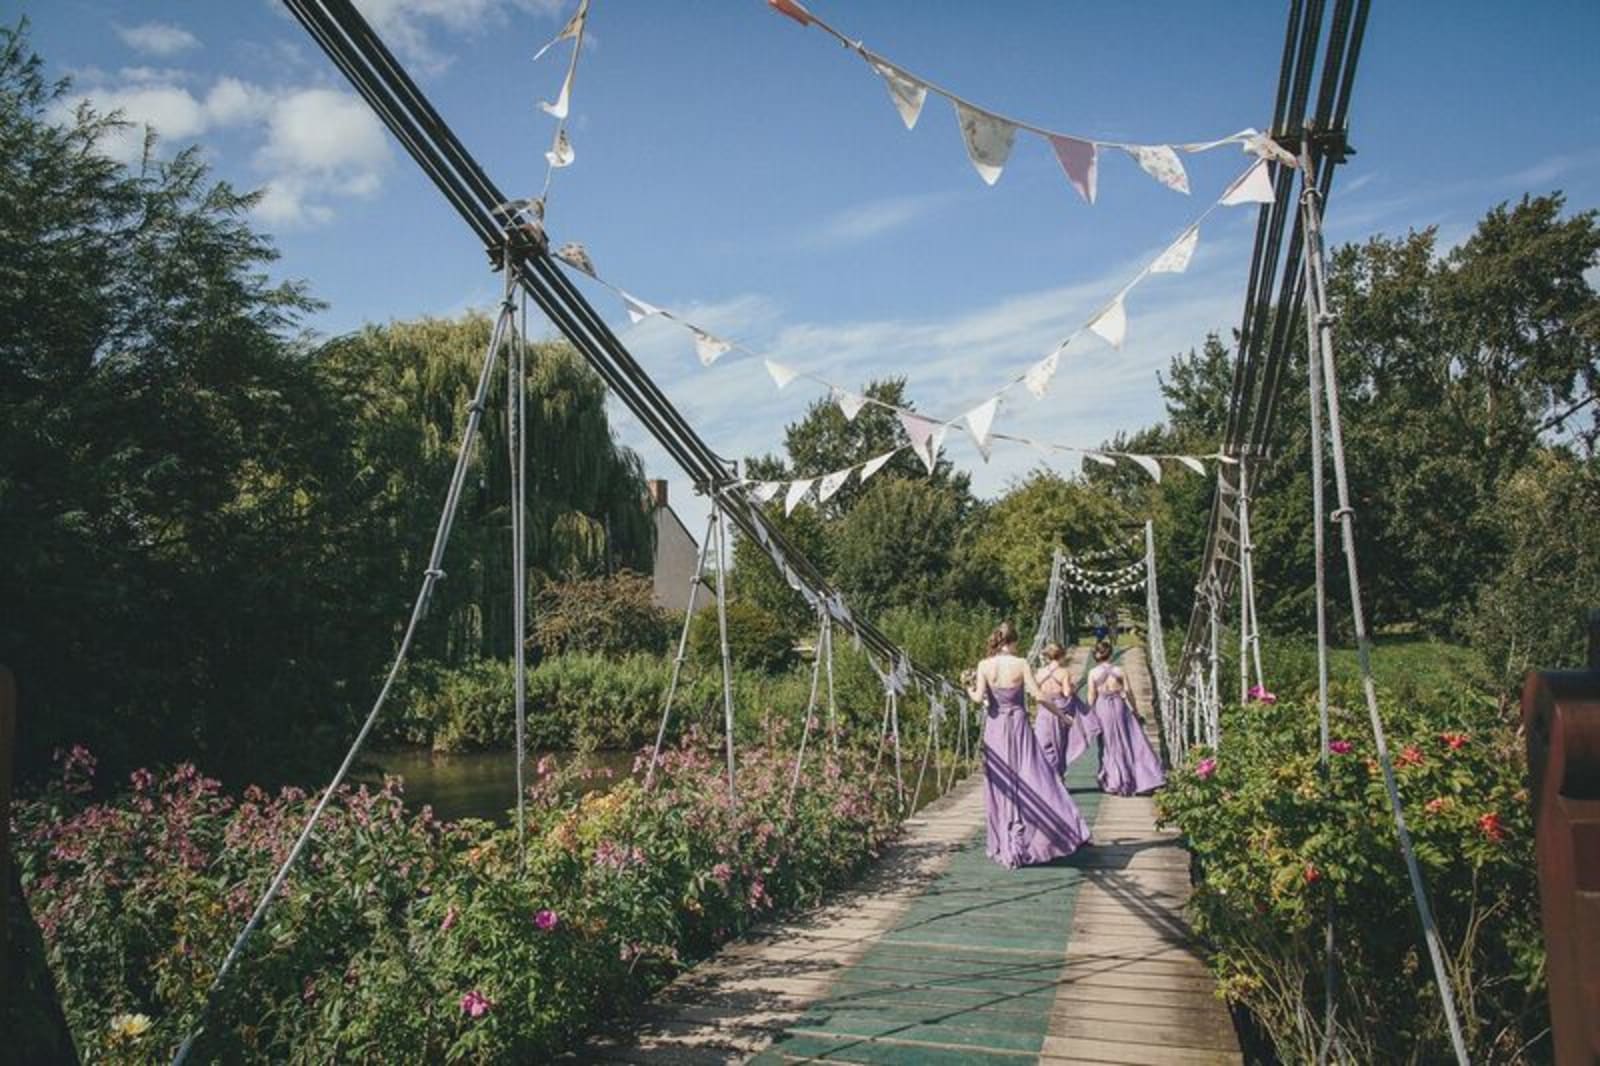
{"x":754,"y":177}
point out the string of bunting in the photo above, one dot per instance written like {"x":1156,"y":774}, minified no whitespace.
{"x":989,"y":135}
{"x":1106,"y":553}
{"x":1099,"y":575}
{"x":560,"y":154}
{"x":1106,"y":587}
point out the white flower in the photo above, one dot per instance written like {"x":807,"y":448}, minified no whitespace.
{"x":130,"y":1026}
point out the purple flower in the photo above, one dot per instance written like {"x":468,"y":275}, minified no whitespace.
{"x":722,"y":873}
{"x":1339,"y":747}
{"x":449,"y":920}
{"x":1205,"y":768}
{"x":475,"y":1004}
{"x":546,"y":920}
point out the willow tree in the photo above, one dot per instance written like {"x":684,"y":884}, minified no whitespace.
{"x":409,"y":384}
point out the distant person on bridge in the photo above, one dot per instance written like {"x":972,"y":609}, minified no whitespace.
{"x":1128,"y":765}
{"x":1032,"y":818}
{"x":1055,"y":714}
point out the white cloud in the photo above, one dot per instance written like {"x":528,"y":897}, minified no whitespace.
{"x":323,"y":131}
{"x":158,"y":38}
{"x":408,"y":25}
{"x":865,"y":221}
{"x":284,"y":203}
{"x":232,"y":101}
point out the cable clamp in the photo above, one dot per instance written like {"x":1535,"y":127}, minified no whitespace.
{"x":1342,"y":513}
{"x":1327,"y":318}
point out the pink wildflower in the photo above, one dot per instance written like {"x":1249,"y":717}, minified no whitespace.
{"x":1340,"y":747}
{"x":1435,"y":805}
{"x":1491,"y":827}
{"x":1260,"y":694}
{"x":1455,"y":741}
{"x":1205,"y":768}
{"x":449,"y":920}
{"x":475,"y":1004}
{"x":722,"y":873}
{"x":546,"y":920}
{"x":1411,"y":755}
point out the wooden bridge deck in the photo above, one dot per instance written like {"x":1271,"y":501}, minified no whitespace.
{"x":942,"y":956}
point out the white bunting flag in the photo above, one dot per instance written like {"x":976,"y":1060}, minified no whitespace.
{"x":917,"y":428}
{"x":1081,"y":161}
{"x":1253,"y":187}
{"x":766,"y":490}
{"x":561,"y":153}
{"x":637,"y":309}
{"x":1263,"y":146}
{"x":979,"y":421}
{"x":573,"y":27}
{"x":574,"y":254}
{"x":1111,"y":325}
{"x":872,"y":466}
{"x":850,"y":403}
{"x":833,"y":483}
{"x":988,"y":138}
{"x":907,"y":92}
{"x":559,"y":108}
{"x":781,"y":375}
{"x":1103,"y":460}
{"x":1039,"y":374}
{"x":797,"y":492}
{"x":1150,"y":466}
{"x":1175,"y":260}
{"x":707,"y":347}
{"x":929,"y":454}
{"x":1161,"y":163}
{"x":1192,"y":463}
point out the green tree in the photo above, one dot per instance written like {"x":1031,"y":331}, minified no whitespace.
{"x":898,"y":547}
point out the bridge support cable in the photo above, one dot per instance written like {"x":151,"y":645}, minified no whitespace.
{"x":517,"y":445}
{"x":1249,"y":626}
{"x":696,"y":580}
{"x":1322,"y":356}
{"x":1049,"y":627}
{"x":727,"y":659}
{"x":1155,"y":644}
{"x":504,"y":326}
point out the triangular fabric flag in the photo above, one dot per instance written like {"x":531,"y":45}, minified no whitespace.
{"x":794,"y":9}
{"x":1241,"y":138}
{"x":832,"y":483}
{"x":1162,"y":163}
{"x":979,"y":421}
{"x":1039,"y":374}
{"x":1103,"y":460}
{"x":1150,"y":466}
{"x":907,"y":92}
{"x":766,"y":490}
{"x":929,"y":453}
{"x":559,"y":108}
{"x":561,"y":153}
{"x":988,"y":138}
{"x":792,"y":576}
{"x":707,"y":347}
{"x":797,"y":492}
{"x":781,"y":375}
{"x":850,"y":404}
{"x":637,"y":309}
{"x":573,"y":27}
{"x":1175,"y":260}
{"x":575,"y":255}
{"x":1192,"y":463}
{"x":1254,"y":186}
{"x":1081,"y":161}
{"x":918,"y":429}
{"x":1263,"y":146}
{"x":872,"y":466}
{"x":1111,"y":325}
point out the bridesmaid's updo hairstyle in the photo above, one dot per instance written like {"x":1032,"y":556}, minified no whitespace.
{"x":1102,"y":651}
{"x":1005,"y":633}
{"x":1054,"y":652}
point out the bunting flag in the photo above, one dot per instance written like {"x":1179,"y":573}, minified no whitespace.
{"x":1263,"y":146}
{"x":872,"y":466}
{"x":1039,"y":374}
{"x":926,"y":437}
{"x":781,"y":375}
{"x":571,"y":30}
{"x":1253,"y":187}
{"x":988,"y":138}
{"x":1103,"y":460}
{"x":908,"y":93}
{"x":638,"y":310}
{"x":831,"y":484}
{"x":1175,"y":260}
{"x":766,"y":490}
{"x":1192,"y":463}
{"x":561,"y":153}
{"x":1162,"y":163}
{"x":707,"y":347}
{"x":797,"y":492}
{"x":574,"y":255}
{"x":850,"y":403}
{"x":1081,"y":161}
{"x":979,"y":421}
{"x":794,"y":9}
{"x":1111,"y":325}
{"x":1150,"y":466}
{"x":559,"y":108}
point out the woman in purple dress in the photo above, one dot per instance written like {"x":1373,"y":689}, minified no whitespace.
{"x":1128,"y":765}
{"x":1053,"y":715}
{"x":1032,"y":818}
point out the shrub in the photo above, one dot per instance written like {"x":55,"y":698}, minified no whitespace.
{"x":1273,"y":850}
{"x":757,"y":638}
{"x":401,"y":939}
{"x":613,"y":615}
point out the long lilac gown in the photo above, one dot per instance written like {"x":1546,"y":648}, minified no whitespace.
{"x":1128,"y":765}
{"x":1053,"y":734}
{"x":1032,"y":818}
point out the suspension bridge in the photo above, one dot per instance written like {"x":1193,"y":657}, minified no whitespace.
{"x":940,"y":955}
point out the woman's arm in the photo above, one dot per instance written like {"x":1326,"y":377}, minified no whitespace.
{"x":1032,"y":684}
{"x":979,"y":686}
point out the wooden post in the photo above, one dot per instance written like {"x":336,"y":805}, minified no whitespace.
{"x":1561,"y":719}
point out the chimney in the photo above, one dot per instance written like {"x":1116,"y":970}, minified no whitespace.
{"x":658,"y":493}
